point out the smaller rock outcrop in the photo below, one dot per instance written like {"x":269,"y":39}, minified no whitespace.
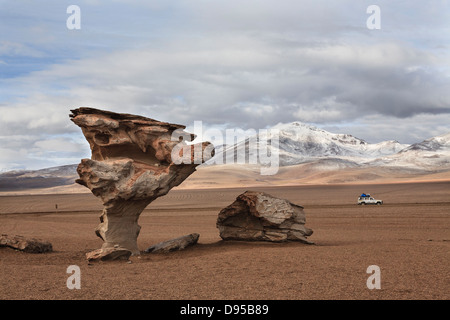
{"x":174,"y":244}
{"x":262,"y":217}
{"x":108,"y":254}
{"x":21,"y":243}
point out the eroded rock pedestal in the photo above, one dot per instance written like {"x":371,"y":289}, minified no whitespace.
{"x":258,"y":216}
{"x":131,"y":165}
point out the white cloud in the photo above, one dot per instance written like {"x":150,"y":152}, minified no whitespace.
{"x":57,"y":145}
{"x":376,"y":128}
{"x":8,"y":48}
{"x":39,"y":151}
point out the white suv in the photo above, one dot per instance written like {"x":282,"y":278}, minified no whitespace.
{"x":367,"y":199}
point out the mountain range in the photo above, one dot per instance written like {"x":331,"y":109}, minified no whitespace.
{"x":306,"y":154}
{"x":300,"y":143}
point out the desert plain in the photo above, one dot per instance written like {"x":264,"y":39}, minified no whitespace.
{"x":408,"y":237}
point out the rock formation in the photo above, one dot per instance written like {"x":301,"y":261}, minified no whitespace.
{"x":176,"y":244}
{"x":108,"y":254}
{"x":262,"y":217}
{"x":134,"y":161}
{"x":30,"y":245}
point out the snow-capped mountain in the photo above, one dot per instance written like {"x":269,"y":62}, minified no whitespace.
{"x":436,"y":144}
{"x":60,"y":171}
{"x":48,"y":177}
{"x":430,"y":154}
{"x":300,"y":143}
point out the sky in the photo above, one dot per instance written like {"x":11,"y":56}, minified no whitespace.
{"x":248,"y":64}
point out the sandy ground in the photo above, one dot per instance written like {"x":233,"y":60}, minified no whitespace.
{"x":408,"y":238}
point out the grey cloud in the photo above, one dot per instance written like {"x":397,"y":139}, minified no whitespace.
{"x":38,"y":151}
{"x":213,"y":84}
{"x":376,"y":128}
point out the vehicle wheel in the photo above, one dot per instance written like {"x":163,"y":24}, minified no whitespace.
{"x":378,"y":203}
{"x":363,"y":204}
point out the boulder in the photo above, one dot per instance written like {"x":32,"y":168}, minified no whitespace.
{"x":134,"y":160}
{"x":257,"y":216}
{"x":30,"y":245}
{"x":176,"y":244}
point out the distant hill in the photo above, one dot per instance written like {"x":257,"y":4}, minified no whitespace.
{"x":43,"y":178}
{"x":431,"y":155}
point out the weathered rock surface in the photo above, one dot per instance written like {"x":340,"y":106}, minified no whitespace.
{"x":262,"y":217}
{"x":108,"y":254}
{"x":21,"y":243}
{"x":131,"y":165}
{"x":176,"y":244}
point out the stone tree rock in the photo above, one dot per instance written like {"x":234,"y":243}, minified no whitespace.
{"x":134,"y":161}
{"x":262,"y":217}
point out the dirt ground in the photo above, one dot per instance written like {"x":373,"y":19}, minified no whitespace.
{"x":408,"y":238}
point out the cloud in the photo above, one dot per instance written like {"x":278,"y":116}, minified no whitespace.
{"x":375,"y":128}
{"x":57,"y":145}
{"x":8,"y":48}
{"x":39,"y":151}
{"x":227,"y":79}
